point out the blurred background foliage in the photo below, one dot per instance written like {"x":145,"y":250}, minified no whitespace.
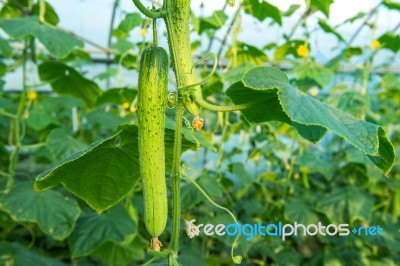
{"x":71,"y":91}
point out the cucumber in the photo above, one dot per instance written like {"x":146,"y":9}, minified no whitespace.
{"x":152,"y":100}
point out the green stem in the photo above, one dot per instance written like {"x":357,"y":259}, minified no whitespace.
{"x":225,"y":39}
{"x":177,"y":16}
{"x":7,"y":114}
{"x":177,"y":22}
{"x":109,"y":40}
{"x":224,"y":125}
{"x":146,"y":11}
{"x":155,"y":38}
{"x":34,"y":146}
{"x":150,"y":261}
{"x":17,"y":123}
{"x":42,"y":10}
{"x":200,"y":101}
{"x":176,"y":179}
{"x":214,"y":35}
{"x":358,"y":30}
{"x":306,"y":13}
{"x":4,"y":173}
{"x":396,"y":206}
{"x":209,"y":75}
{"x":236,"y":259}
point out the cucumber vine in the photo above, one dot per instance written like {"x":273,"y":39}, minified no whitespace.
{"x":176,"y":14}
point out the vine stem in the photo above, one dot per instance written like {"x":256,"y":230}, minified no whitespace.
{"x":176,"y":17}
{"x":109,"y":40}
{"x":230,"y":27}
{"x":176,"y":179}
{"x":155,"y":37}
{"x":17,"y":124}
{"x":147,"y":12}
{"x":6,"y":114}
{"x":214,"y":68}
{"x":229,"y":108}
{"x":42,"y":10}
{"x":363,"y":24}
{"x":306,"y":13}
{"x":176,"y":14}
{"x":236,"y":259}
{"x":210,"y":43}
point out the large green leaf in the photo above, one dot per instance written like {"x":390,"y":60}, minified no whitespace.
{"x":311,"y":70}
{"x":54,"y":213}
{"x":63,"y":144}
{"x":120,"y":255}
{"x":390,"y":41}
{"x":390,"y":81}
{"x":346,"y":204}
{"x":272,"y":109}
{"x":322,"y":5}
{"x":107,"y":170}
{"x":288,"y":256}
{"x":269,"y":88}
{"x":56,"y":41}
{"x":299,"y":211}
{"x":117,"y":96}
{"x":122,"y":46}
{"x":245,"y":53}
{"x":215,"y":21}
{"x":15,"y":254}
{"x":391,"y":4}
{"x":40,"y":119}
{"x":102,"y":120}
{"x":5,"y":48}
{"x":66,"y":80}
{"x":288,"y":48}
{"x":93,"y":230}
{"x":236,"y":73}
{"x":313,"y":161}
{"x":291,"y":10}
{"x":328,"y":29}
{"x":262,"y":10}
{"x":50,"y":15}
{"x":131,"y":21}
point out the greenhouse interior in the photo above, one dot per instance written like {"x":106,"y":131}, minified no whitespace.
{"x":178,"y":132}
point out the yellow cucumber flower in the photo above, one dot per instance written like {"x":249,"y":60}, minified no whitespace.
{"x":143,"y":32}
{"x":302,"y":50}
{"x":32,"y":95}
{"x":375,"y":44}
{"x":126,"y":105}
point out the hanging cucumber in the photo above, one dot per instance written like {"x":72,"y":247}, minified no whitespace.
{"x":152,"y":96}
